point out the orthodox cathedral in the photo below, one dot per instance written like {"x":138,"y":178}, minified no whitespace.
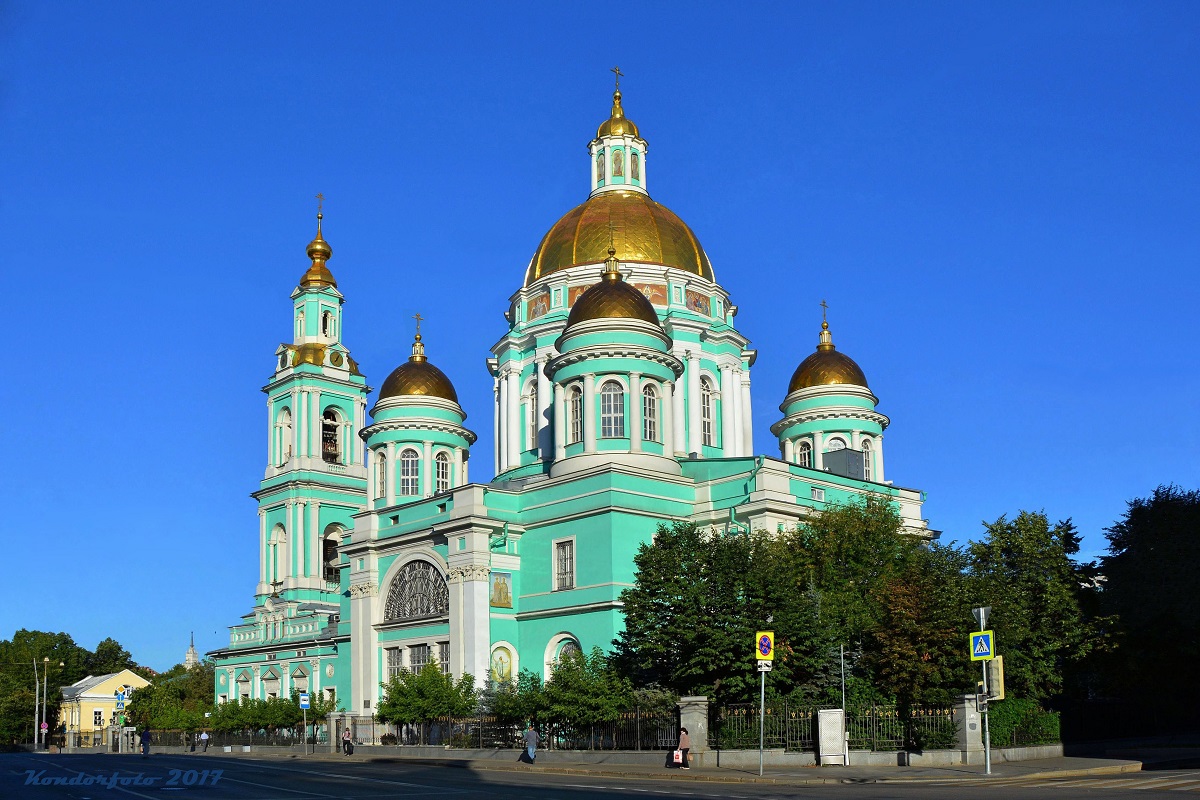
{"x":621,"y":400}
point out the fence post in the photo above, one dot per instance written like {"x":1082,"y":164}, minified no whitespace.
{"x":637,"y":717}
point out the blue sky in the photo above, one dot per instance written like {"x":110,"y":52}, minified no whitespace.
{"x":1000,"y":203}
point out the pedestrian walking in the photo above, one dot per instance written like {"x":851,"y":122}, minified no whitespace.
{"x":685,"y":744}
{"x":204,"y":741}
{"x":532,"y":740}
{"x":347,"y":743}
{"x":145,"y":739}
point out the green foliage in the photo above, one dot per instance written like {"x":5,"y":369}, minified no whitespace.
{"x":1024,"y":571}
{"x":175,"y":700}
{"x":416,"y":697}
{"x":1022,"y":722}
{"x":584,"y":689}
{"x":518,"y":701}
{"x":1150,"y":586}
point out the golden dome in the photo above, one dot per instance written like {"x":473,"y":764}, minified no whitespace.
{"x":826,"y":366}
{"x":418,"y":377}
{"x":642,"y":230}
{"x":617,"y":124}
{"x":612,"y":298}
{"x":319,"y":251}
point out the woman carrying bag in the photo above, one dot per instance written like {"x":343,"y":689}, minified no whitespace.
{"x":679,"y":757}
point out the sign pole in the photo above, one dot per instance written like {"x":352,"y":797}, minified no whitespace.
{"x":305,"y":712}
{"x":764,"y":650}
{"x":762,"y":713}
{"x":981,"y":614}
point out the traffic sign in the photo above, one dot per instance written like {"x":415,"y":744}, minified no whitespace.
{"x":304,"y":701}
{"x":764,"y":666}
{"x":45,"y":726}
{"x":121,"y":690}
{"x":120,"y":705}
{"x":764,"y":645}
{"x":983,"y":646}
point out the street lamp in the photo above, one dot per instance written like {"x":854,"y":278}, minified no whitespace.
{"x":45,"y":692}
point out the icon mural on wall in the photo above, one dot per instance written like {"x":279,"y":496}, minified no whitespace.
{"x":502,"y":589}
{"x":600,"y":167}
{"x":537,"y":307}
{"x":618,"y":163}
{"x":656,"y":293}
{"x":635,"y":166}
{"x":698,"y":303}
{"x":501,"y":665}
{"x":573,"y":295}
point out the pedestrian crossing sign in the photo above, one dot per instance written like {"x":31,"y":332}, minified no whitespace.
{"x":983,"y":646}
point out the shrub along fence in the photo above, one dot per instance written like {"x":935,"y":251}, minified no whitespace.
{"x":793,"y":728}
{"x":282,"y":737}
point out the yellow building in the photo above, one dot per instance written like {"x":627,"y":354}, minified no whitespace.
{"x":89,"y":706}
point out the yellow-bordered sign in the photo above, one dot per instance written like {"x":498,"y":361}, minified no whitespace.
{"x":983,"y":646}
{"x":764,"y":645}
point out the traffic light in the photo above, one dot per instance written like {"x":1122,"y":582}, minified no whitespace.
{"x":995,"y":678}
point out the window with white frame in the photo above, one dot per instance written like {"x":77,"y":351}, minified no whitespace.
{"x":804,"y":454}
{"x":442,"y":463}
{"x":381,"y":474}
{"x":395,"y":662}
{"x":612,"y":410}
{"x":418,"y":657}
{"x":708,"y":412}
{"x":409,"y":473}
{"x":649,"y":414}
{"x":283,"y":436}
{"x":443,"y":657}
{"x":866,"y":451}
{"x":331,"y":434}
{"x":575,"y":413}
{"x":532,"y":416}
{"x":818,"y":494}
{"x":564,"y":565}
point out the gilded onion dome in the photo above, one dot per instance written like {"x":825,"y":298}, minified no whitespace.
{"x":612,"y":298}
{"x":617,"y":124}
{"x":643,"y":230}
{"x":418,"y":377}
{"x":826,"y":366}
{"x":319,"y":251}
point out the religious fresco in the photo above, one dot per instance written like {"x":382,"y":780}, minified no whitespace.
{"x":537,"y":307}
{"x":501,"y":666}
{"x":618,"y":163}
{"x":635,"y":166}
{"x":656,"y":293}
{"x":573,"y":295}
{"x":698,"y":303}
{"x":502,"y":590}
{"x":600,"y":167}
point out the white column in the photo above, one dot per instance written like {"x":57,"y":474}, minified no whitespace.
{"x":666,"y":431}
{"x":497,"y":418}
{"x":295,"y":443}
{"x":678,"y":439}
{"x":695,"y":423}
{"x":789,"y":451}
{"x":390,"y":477}
{"x":514,"y":417}
{"x":878,"y":450}
{"x":589,"y":413}
{"x":372,"y":479}
{"x":560,"y":422}
{"x":264,"y":549}
{"x":635,"y":412}
{"x":855,"y":439}
{"x":304,"y":533}
{"x":314,"y":538}
{"x":739,"y":438}
{"x":545,"y":399}
{"x":747,"y":422}
{"x":427,"y":470}
{"x":465,"y":460}
{"x":314,"y":400}
{"x":818,"y":458}
{"x":461,"y":463}
{"x":270,"y":435}
{"x":728,"y":413}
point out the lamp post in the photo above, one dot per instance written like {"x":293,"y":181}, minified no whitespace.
{"x":45,"y":690}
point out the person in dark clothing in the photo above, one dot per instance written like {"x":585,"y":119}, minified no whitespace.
{"x":531,"y":739}
{"x":145,"y":740}
{"x":685,"y":744}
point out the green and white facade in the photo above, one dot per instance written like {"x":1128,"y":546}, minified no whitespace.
{"x":620,"y":402}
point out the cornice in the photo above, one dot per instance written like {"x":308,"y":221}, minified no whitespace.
{"x":418,"y":424}
{"x":593,"y":352}
{"x":831,"y":412}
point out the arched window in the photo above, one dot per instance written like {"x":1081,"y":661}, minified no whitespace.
{"x":533,"y":417}
{"x":836,"y":444}
{"x":409,"y":472}
{"x":635,"y":166}
{"x":600,"y":168}
{"x":575,"y":413}
{"x":283,"y":437}
{"x":329,"y":554}
{"x":381,"y":475}
{"x":327,"y":323}
{"x":804,"y":454}
{"x":300,"y":324}
{"x":275,"y":551}
{"x":569,"y":649}
{"x":708,"y":412}
{"x":418,"y":591}
{"x":331,"y":432}
{"x":649,"y":414}
{"x":866,"y":451}
{"x":442,"y":462}
{"x":612,"y":410}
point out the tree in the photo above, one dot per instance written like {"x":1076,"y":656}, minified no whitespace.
{"x":425,"y":696}
{"x":176,"y":699}
{"x":1023,"y":569}
{"x":109,"y":657}
{"x":584,"y":689}
{"x":1150,"y":585}
{"x":17,"y":696}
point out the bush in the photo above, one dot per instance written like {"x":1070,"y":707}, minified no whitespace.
{"x":1021,"y":722}
{"x":388,"y":739}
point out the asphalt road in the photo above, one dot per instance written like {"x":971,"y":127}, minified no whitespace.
{"x":93,"y":777}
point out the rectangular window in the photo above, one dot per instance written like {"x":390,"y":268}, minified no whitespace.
{"x":97,"y":718}
{"x":443,"y":657}
{"x":395,"y":661}
{"x":564,"y":565}
{"x":418,"y":657}
{"x":818,"y":494}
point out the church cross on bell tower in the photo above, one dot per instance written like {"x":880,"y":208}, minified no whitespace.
{"x":618,"y":152}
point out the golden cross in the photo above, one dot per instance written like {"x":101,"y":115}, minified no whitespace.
{"x":824,"y":308}
{"x":320,"y":201}
{"x":617,"y":71}
{"x":418,"y":318}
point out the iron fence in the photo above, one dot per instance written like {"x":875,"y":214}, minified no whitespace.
{"x":282,"y":737}
{"x":793,"y":728}
{"x":636,"y":729}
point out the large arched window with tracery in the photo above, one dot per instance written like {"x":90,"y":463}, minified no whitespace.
{"x":419,"y":591}
{"x":612,"y":410}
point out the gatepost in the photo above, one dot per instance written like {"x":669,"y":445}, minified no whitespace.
{"x":970,"y":729}
{"x":693,"y":715}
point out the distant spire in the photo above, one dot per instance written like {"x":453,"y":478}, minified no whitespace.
{"x":320,"y":252}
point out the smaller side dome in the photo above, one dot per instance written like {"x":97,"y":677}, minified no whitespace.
{"x":319,"y":251}
{"x":612,"y":298}
{"x":826,"y":367}
{"x":617,"y":124}
{"x":418,"y":377}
